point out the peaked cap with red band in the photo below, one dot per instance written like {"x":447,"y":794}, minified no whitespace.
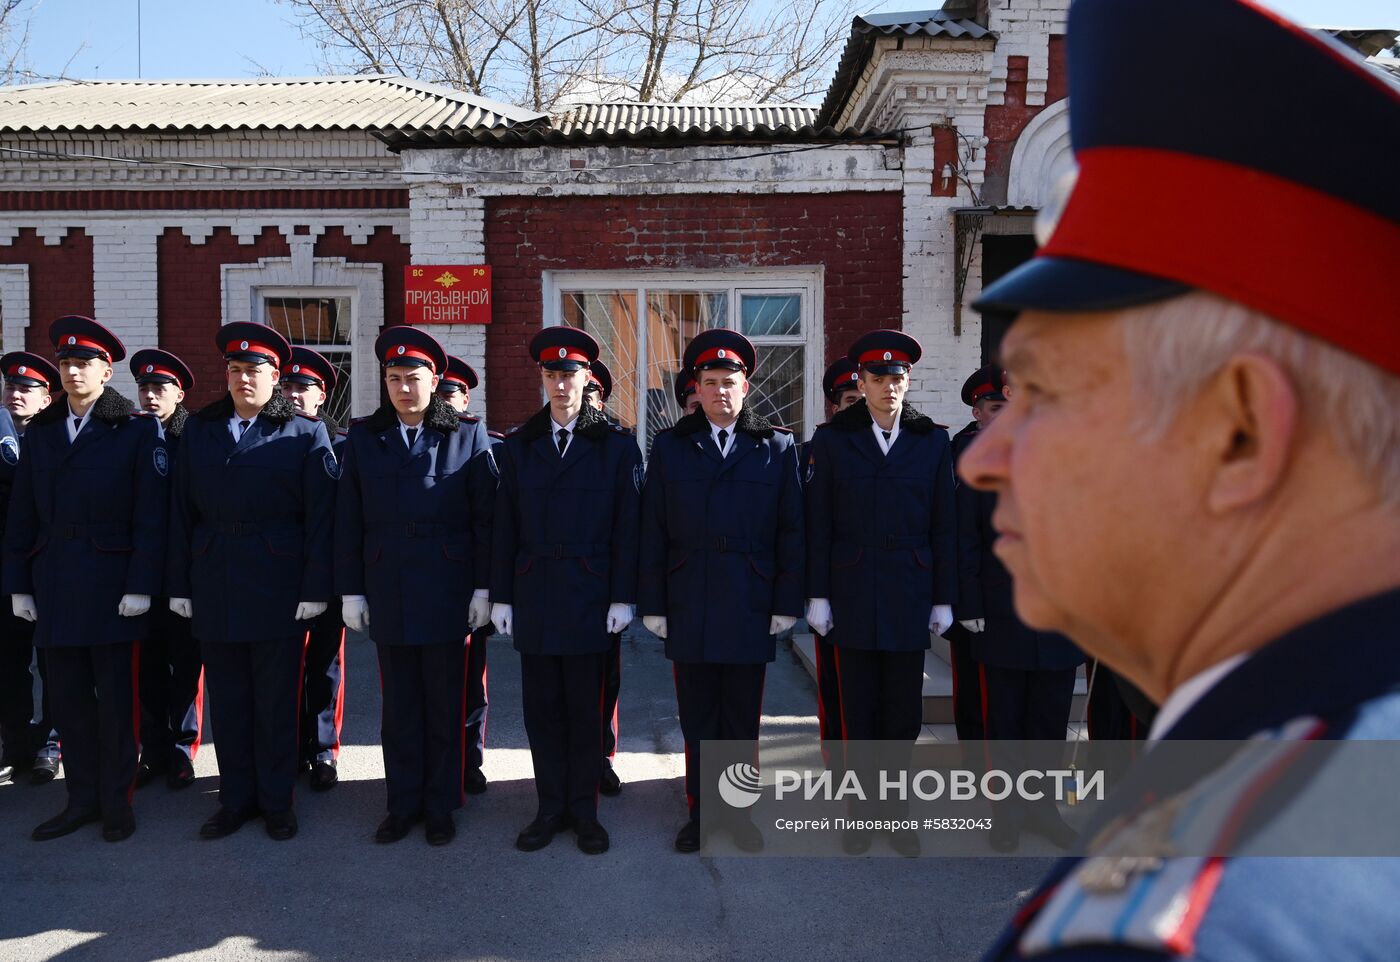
{"x":840,"y":377}
{"x":151,"y":364}
{"x":255,"y":343}
{"x":985,"y":384}
{"x":404,"y":346}
{"x":885,"y":352}
{"x":599,"y":374}
{"x":460,"y":376}
{"x":23,"y":367}
{"x":78,"y":336}
{"x":720,"y":348}
{"x":684,"y":387}
{"x":1281,"y":196}
{"x":563,"y":349}
{"x":310,"y":367}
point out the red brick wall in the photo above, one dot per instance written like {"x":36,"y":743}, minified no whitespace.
{"x":384,"y":247}
{"x":857,"y":237}
{"x":60,"y":282}
{"x":1006,"y":121}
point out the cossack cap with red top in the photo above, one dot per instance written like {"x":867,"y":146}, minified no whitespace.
{"x":404,"y":346}
{"x":82,"y":337}
{"x":151,"y":365}
{"x":563,"y":349}
{"x":839,"y":378}
{"x":684,"y":387}
{"x":459,"y":376}
{"x":600,"y":380}
{"x":23,"y":367}
{"x":720,"y":348}
{"x":310,"y":367}
{"x":253,"y":343}
{"x":985,"y":384}
{"x":885,"y":352}
{"x":1279,"y":196}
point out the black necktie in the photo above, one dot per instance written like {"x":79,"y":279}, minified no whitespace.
{"x":723,"y":440}
{"x":563,"y":438}
{"x":242,"y":427}
{"x":412,"y":437}
{"x":77,"y":426}
{"x":887,"y":438}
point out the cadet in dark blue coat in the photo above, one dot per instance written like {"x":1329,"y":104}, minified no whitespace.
{"x":841,"y":385}
{"x":456,"y":388}
{"x":307,"y":382}
{"x":597,"y":392}
{"x":250,"y":561}
{"x":27,"y":381}
{"x":722,"y":556}
{"x":172,"y":673}
{"x":83,"y":542}
{"x":564,"y":578}
{"x":412,"y":535}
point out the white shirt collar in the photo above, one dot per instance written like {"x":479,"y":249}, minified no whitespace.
{"x":567,"y":427}
{"x":880,"y":434}
{"x":1192,"y":690}
{"x":728,"y":438}
{"x":235,"y":421}
{"x":403,"y":430}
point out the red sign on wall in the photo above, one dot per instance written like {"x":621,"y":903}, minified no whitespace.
{"x":447,"y":294}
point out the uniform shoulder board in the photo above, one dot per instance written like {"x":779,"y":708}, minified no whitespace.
{"x":495,"y":434}
{"x":309,"y":417}
{"x":781,"y":430}
{"x":468,"y":418}
{"x":343,"y":432}
{"x":619,"y":429}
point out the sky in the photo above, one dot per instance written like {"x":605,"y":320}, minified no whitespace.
{"x":245,"y":38}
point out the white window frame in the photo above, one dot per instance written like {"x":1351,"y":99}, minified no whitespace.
{"x":805,"y":281}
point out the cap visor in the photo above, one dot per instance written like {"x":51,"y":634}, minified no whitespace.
{"x":563,"y":365}
{"x":1063,"y":284}
{"x":882,"y":369}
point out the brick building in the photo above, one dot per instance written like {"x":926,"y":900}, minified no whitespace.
{"x":167,"y":208}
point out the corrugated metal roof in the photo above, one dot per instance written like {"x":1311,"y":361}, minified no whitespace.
{"x":370,"y":103}
{"x":645,"y":123}
{"x":866,"y":30}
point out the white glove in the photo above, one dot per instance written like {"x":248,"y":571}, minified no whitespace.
{"x":819,"y":615}
{"x":183,"y":607}
{"x":780,"y":624}
{"x":974,"y":625}
{"x":132,"y":605}
{"x":479,"y":611}
{"x":306,"y":610}
{"x":940,"y":619}
{"x":619,"y":617}
{"x":24,"y":607}
{"x":354,"y":611}
{"x":656,"y":624}
{"x":503,"y":617}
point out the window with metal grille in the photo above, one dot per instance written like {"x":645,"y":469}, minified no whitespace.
{"x":643,"y":321}
{"x":322,"y":324}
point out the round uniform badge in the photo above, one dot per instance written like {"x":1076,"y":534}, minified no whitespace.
{"x":9,"y":450}
{"x":888,"y":356}
{"x":563,"y":352}
{"x":22,"y":369}
{"x":332,"y":466}
{"x":161,"y":458}
{"x":722,"y":354}
{"x":72,"y":340}
{"x":296,"y":368}
{"x":402,"y":349}
{"x":243,"y":345}
{"x":150,"y":368}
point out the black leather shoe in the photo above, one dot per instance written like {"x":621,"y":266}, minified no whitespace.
{"x":181,"y":773}
{"x":440,"y":829}
{"x":541,"y":832}
{"x":393,"y":828}
{"x":7,"y":773}
{"x":44,"y":771}
{"x":1052,"y":827}
{"x":473,"y":781}
{"x":906,"y":844}
{"x":224,"y":822}
{"x":64,"y":823}
{"x":688,"y":838}
{"x":1005,"y":836}
{"x":323,"y":776}
{"x":610,"y":785}
{"x":118,"y":827}
{"x":592,"y":837}
{"x":855,"y":843}
{"x":146,"y":772}
{"x":280,"y":826}
{"x":746,"y":835}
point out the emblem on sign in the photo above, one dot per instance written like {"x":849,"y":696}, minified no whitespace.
{"x":447,"y":279}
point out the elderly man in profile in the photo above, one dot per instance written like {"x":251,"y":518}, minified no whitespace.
{"x":1198,"y":471}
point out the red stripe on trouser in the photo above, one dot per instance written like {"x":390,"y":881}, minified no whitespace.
{"x":301,"y":700}
{"x":135,"y":710}
{"x":198,"y":714}
{"x":822,"y":726}
{"x":836,"y":660}
{"x":339,"y":694}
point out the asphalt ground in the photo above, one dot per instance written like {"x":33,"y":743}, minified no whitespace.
{"x":332,"y":894}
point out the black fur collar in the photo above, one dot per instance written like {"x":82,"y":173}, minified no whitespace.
{"x":857,"y":418}
{"x":755,"y":425}
{"x":176,"y":425}
{"x":590,"y":424}
{"x":110,"y":408}
{"x":278,"y":410}
{"x":440,"y":415}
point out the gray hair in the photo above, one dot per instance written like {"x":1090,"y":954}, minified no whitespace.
{"x":1175,"y":346}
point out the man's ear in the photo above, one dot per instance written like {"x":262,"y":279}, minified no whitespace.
{"x":1247,"y":420}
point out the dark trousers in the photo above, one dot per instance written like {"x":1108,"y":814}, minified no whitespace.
{"x":969,"y":698}
{"x":715,"y":703}
{"x":172,"y":689}
{"x":612,"y":685}
{"x":1025,"y":706}
{"x":882,"y":694}
{"x":478,"y":699}
{"x":323,"y":689}
{"x":93,"y":689}
{"x":421,"y":726}
{"x":828,"y":690}
{"x":16,"y":689}
{"x":562,"y":698}
{"x":254,"y":693}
